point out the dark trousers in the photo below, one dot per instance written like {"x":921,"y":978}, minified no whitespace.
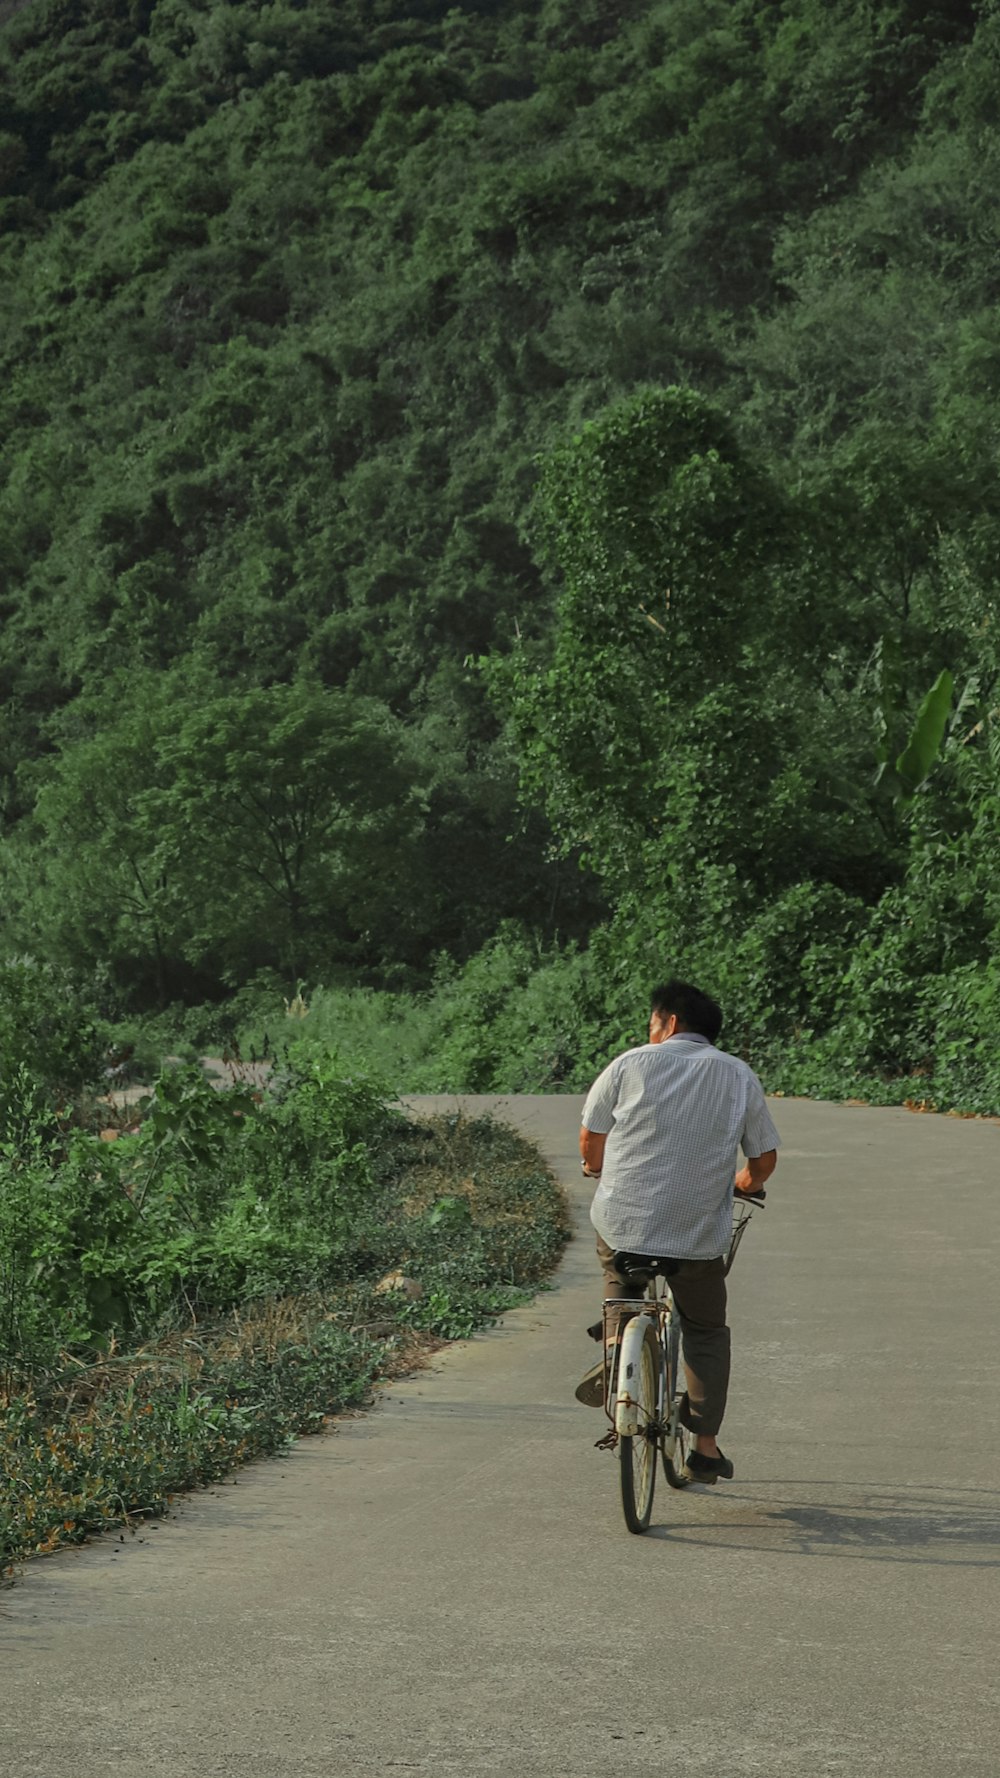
{"x":698,"y":1288}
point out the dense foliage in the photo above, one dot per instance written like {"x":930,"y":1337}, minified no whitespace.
{"x":299,"y":299}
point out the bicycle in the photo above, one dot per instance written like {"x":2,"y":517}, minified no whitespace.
{"x":643,"y":1387}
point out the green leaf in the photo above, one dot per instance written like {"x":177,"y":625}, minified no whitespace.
{"x":918,"y":756}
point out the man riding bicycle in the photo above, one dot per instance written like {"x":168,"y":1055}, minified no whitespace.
{"x":661,"y":1128}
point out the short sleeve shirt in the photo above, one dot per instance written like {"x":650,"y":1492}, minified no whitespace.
{"x":675,"y":1115}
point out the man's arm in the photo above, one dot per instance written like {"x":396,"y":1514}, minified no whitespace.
{"x":592,"y":1151}
{"x":599,"y":1109}
{"x":759,"y":1141}
{"x":757,"y":1171}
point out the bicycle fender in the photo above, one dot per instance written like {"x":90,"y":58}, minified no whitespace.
{"x":626,"y":1410}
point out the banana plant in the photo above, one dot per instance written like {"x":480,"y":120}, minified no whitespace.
{"x":920,"y":754}
{"x":902,"y":774}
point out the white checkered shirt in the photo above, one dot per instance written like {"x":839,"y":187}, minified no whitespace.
{"x":675,"y":1114}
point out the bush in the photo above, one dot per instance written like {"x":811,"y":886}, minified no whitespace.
{"x":822,"y":994}
{"x":46,"y":1030}
{"x":384,"y":1036}
{"x":517,"y":1018}
{"x":215,"y":1199}
{"x":960,"y":1018}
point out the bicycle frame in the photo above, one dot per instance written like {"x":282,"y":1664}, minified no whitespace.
{"x":623,"y":1339}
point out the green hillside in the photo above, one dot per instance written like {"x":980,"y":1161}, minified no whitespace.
{"x":442,"y":445}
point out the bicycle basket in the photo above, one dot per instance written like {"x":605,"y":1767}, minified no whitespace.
{"x":742,"y":1213}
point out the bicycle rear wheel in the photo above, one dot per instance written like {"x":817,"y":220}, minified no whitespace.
{"x":679,"y":1439}
{"x":638,"y":1454}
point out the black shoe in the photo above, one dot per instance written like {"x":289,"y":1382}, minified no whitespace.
{"x":708,"y":1469}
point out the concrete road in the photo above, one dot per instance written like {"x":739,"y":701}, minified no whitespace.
{"x":446,"y":1586}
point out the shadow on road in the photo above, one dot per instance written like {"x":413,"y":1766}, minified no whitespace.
{"x":950,"y":1527}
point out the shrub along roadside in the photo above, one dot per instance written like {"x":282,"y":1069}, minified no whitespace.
{"x":825,"y":999}
{"x":105,"y":1428}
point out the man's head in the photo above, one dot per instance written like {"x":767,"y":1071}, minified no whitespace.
{"x":679,"y":1007}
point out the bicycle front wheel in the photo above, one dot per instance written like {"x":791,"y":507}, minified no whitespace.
{"x":638,"y":1453}
{"x":679,"y":1440}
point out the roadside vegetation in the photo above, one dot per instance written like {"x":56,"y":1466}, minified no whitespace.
{"x":209,"y":1273}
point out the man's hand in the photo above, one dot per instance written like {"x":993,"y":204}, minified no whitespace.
{"x":755,"y":1175}
{"x":592,"y":1152}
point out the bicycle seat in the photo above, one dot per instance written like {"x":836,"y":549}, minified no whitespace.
{"x":639,"y":1268}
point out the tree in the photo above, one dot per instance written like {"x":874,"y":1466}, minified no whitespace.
{"x":668,"y":542}
{"x":103,"y":883}
{"x":200,"y":838}
{"x":295,"y":809}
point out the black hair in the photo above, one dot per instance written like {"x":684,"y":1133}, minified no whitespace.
{"x":693,"y":1009}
